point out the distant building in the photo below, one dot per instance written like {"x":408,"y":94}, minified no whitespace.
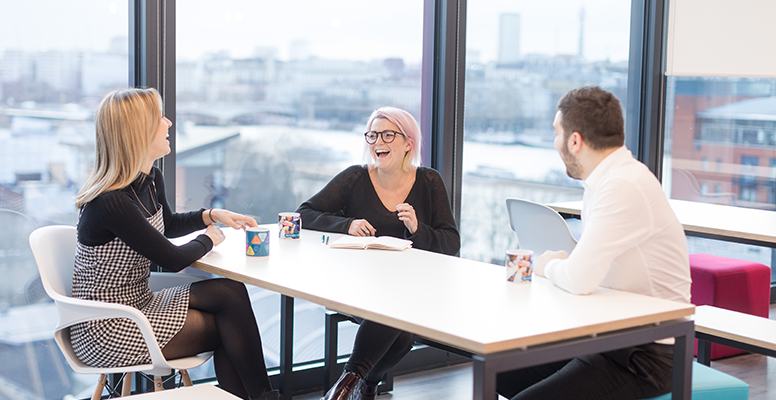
{"x":299,"y":50}
{"x":724,"y":142}
{"x":102,"y":72}
{"x":509,"y":39}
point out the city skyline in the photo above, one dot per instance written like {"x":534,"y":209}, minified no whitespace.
{"x":239,"y":28}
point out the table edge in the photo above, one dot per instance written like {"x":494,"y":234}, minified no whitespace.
{"x":455,"y":341}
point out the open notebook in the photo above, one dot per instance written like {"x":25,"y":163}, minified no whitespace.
{"x":371,"y":242}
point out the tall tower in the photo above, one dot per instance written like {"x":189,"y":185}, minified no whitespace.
{"x":582,"y":32}
{"x":509,"y":39}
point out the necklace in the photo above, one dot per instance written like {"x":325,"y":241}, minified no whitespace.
{"x":152,"y":198}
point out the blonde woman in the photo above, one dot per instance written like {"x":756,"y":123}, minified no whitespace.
{"x":124,"y":225}
{"x":391,"y":195}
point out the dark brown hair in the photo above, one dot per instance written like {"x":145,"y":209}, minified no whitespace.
{"x":594,"y":113}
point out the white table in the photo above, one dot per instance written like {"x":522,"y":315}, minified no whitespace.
{"x":713,"y":221}
{"x":457,"y":302}
{"x":732,"y":328}
{"x":198,"y":392}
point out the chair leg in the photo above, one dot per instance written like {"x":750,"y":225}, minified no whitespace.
{"x":186,"y":378}
{"x":126,"y":386}
{"x":100,"y":386}
{"x":387,"y":383}
{"x":158,"y":385}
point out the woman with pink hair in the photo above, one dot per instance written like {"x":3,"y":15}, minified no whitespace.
{"x":390,"y":195}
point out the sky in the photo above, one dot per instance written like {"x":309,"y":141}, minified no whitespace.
{"x":341,"y":29}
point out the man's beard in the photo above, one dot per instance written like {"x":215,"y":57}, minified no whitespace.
{"x":573,"y":169}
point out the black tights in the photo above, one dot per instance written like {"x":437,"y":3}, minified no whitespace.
{"x":220,"y":319}
{"x":377,"y":349}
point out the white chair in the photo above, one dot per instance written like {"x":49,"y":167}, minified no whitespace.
{"x":538,"y":227}
{"x":54,"y":249}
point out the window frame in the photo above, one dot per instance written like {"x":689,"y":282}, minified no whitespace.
{"x":152,"y":63}
{"x":152,"y":57}
{"x":645,"y":114}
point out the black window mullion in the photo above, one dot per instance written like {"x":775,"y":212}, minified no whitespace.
{"x":152,"y":64}
{"x":645,"y":111}
{"x":443,"y":93}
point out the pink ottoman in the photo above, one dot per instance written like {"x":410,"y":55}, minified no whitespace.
{"x":733,"y":284}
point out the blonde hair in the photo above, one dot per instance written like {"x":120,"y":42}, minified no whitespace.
{"x":125,"y":123}
{"x":407,"y":125}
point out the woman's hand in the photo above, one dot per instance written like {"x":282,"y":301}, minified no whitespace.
{"x":215,"y":234}
{"x":235,"y":220}
{"x":407,"y":215}
{"x":361,"y":227}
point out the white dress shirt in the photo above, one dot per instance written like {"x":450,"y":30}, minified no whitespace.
{"x":631,"y":239}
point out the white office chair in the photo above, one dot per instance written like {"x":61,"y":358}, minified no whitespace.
{"x":538,"y":227}
{"x":54,"y":249}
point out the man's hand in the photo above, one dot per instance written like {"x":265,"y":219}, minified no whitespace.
{"x":541,"y":262}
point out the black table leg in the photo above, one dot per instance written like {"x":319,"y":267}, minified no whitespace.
{"x":682,"y":379}
{"x":704,"y":352}
{"x":484,"y":380}
{"x":286,"y":347}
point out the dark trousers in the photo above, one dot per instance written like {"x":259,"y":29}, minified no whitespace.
{"x":640,"y":372}
{"x":377,"y":349}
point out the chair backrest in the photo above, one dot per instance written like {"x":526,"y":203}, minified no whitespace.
{"x":54,"y":250}
{"x":538,"y":227}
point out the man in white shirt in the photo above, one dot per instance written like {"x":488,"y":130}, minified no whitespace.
{"x":631,"y":241}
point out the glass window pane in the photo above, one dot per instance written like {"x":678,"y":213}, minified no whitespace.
{"x":731,"y":121}
{"x":273,"y":98}
{"x":521,"y":57}
{"x":57,"y":60}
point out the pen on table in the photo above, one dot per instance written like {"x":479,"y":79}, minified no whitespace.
{"x":327,"y":240}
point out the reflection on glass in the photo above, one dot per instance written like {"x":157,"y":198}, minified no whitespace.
{"x":272,"y":100}
{"x":57,"y":60}
{"x":521,"y":58}
{"x":733,"y":122}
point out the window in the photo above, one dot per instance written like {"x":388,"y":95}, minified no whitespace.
{"x":272,"y":100}
{"x":735,"y":117}
{"x":57,"y":60}
{"x":521,"y":58}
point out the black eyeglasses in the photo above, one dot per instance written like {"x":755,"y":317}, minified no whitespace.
{"x":388,"y":136}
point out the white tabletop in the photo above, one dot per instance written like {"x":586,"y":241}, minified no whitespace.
{"x":740,"y":327}
{"x":198,"y":392}
{"x":712,"y":220}
{"x":462,"y":303}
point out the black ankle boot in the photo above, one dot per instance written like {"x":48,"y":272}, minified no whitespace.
{"x":345,"y":388}
{"x":366,"y":391}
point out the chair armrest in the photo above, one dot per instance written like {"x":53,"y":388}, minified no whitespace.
{"x":73,"y":311}
{"x":162,"y":280}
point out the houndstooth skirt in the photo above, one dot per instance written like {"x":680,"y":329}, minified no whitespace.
{"x":115,"y":273}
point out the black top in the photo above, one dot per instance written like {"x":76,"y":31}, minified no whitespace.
{"x":117,"y":213}
{"x":351,"y":195}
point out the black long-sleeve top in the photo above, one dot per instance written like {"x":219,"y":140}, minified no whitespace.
{"x":117,"y":213}
{"x":351,"y":195}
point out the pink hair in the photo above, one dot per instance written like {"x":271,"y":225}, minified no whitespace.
{"x":406,"y":124}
